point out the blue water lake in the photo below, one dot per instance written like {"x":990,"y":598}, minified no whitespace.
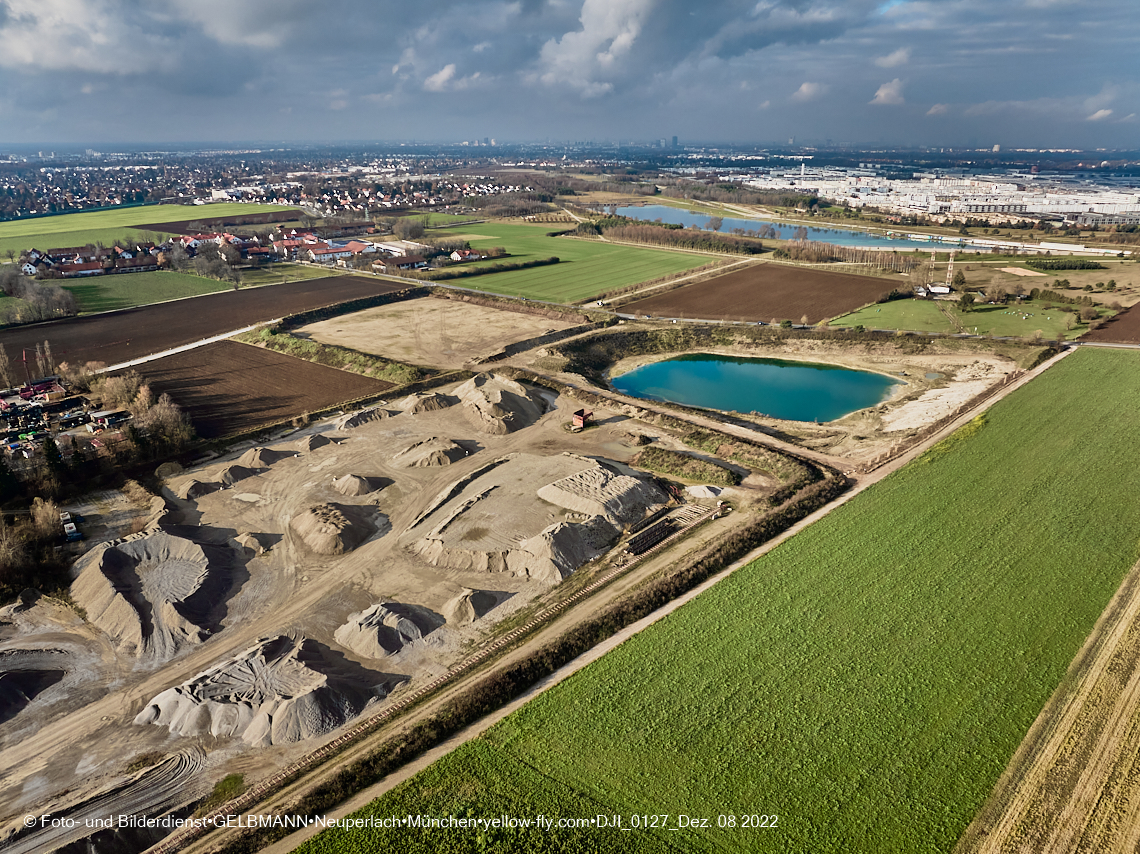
{"x":795,"y":391}
{"x":836,"y":236}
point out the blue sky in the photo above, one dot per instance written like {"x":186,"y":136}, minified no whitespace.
{"x":1028,"y":73}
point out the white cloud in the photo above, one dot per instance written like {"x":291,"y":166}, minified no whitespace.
{"x":482,"y":46}
{"x":891,"y":60}
{"x":1099,"y":115}
{"x":78,"y":35}
{"x":765,"y":105}
{"x":889,"y":93}
{"x":938,"y":110}
{"x":578,"y":59}
{"x":808,"y":91}
{"x":438,"y":81}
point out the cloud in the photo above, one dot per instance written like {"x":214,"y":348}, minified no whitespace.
{"x":581,"y":59}
{"x":808,"y":91}
{"x":1099,"y":115}
{"x":938,"y":110}
{"x":889,"y":93}
{"x":438,"y":81}
{"x":765,"y":105}
{"x":891,"y":60}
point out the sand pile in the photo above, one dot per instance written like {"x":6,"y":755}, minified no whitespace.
{"x":312,"y":442}
{"x":261,"y":458}
{"x":196,"y":489}
{"x":155,"y":594}
{"x":359,"y":419}
{"x":430,"y":402}
{"x":386,"y":628}
{"x":492,"y":523}
{"x":498,"y":405}
{"x":469,"y":606}
{"x":232,"y":474}
{"x":279,"y":691}
{"x":332,"y":529}
{"x":602,"y":491}
{"x":27,"y":673}
{"x":430,"y":452}
{"x":159,"y":513}
{"x":251,"y":542}
{"x":354,"y":484}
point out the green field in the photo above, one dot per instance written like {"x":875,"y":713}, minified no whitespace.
{"x":107,"y":293}
{"x":867,"y":681}
{"x":1021,"y":320}
{"x":276,"y":274}
{"x":79,"y":229}
{"x":587,"y":267}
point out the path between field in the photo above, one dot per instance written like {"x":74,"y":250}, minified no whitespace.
{"x":394,"y":779}
{"x":184,"y":348}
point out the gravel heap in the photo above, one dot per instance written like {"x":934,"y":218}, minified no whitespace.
{"x":498,"y":405}
{"x":359,"y":419}
{"x":332,"y":529}
{"x":385,"y":629}
{"x":281,"y":690}
{"x":430,"y":452}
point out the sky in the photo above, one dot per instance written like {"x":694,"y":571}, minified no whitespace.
{"x":1016,"y":73}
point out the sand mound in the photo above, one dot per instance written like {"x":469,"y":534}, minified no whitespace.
{"x":231,"y":474}
{"x":281,"y":690}
{"x":153,"y":595}
{"x":359,"y":419}
{"x":196,"y":489}
{"x":601,"y":491}
{"x":354,"y":484}
{"x":261,"y":458}
{"x":431,"y":402}
{"x":311,"y":443}
{"x":251,"y":542}
{"x":469,"y":606}
{"x":27,"y":673}
{"x":332,"y":529}
{"x":430,"y":452}
{"x":386,"y":628}
{"x":498,"y":405}
{"x":492,"y":523}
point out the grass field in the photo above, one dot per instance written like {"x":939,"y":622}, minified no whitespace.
{"x":1021,"y":320}
{"x":866,"y":681}
{"x":276,"y":274}
{"x":107,"y":293}
{"x":79,"y":229}
{"x":587,"y":267}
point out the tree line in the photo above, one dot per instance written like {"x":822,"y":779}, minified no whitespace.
{"x":822,"y":253}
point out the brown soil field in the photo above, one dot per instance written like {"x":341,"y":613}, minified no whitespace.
{"x":1122,"y":329}
{"x":228,"y":387}
{"x":183,"y":226}
{"x":120,"y":336}
{"x":765,"y":292}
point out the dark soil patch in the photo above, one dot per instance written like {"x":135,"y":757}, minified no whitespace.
{"x":765,"y":292}
{"x":210,"y":223}
{"x":1122,"y":329}
{"x":120,"y":336}
{"x":228,"y":387}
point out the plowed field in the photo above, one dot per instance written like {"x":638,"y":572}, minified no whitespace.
{"x":1122,"y":329}
{"x":228,"y":387}
{"x":765,"y":292}
{"x":135,"y":332}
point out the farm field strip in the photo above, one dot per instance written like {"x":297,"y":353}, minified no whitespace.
{"x":1021,"y":320}
{"x":767,"y":291}
{"x":867,"y":680}
{"x":1122,"y":329}
{"x":228,"y":387}
{"x":587,"y":267}
{"x":127,"y":290}
{"x":78,"y":229}
{"x":123,"y":336}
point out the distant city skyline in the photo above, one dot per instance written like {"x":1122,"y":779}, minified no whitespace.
{"x":1021,"y":73}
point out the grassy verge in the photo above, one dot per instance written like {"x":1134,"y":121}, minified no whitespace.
{"x":343,"y":358}
{"x":677,"y":464}
{"x":868,"y":680}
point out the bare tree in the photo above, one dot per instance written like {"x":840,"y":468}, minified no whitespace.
{"x":7,"y":376}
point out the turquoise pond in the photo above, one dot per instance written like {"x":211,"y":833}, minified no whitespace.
{"x":794,"y":391}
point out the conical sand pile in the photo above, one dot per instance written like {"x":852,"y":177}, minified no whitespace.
{"x":261,"y":458}
{"x":354,"y":484}
{"x":332,"y":529}
{"x":312,"y":442}
{"x":233,"y":473}
{"x":359,"y":419}
{"x":469,"y":606}
{"x":430,"y":452}
{"x":430,"y":402}
{"x":383,"y":629}
{"x":497,"y":405}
